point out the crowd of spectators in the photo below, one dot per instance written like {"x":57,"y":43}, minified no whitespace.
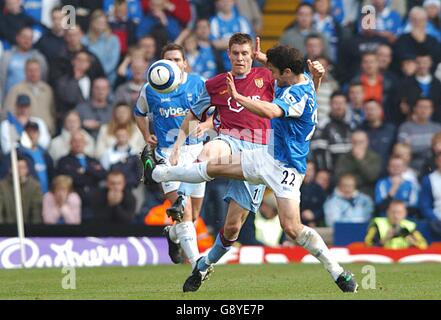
{"x":70,"y":85}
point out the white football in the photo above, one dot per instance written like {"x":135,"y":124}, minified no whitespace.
{"x":164,"y":76}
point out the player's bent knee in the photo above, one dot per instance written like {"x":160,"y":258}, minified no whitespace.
{"x":293,"y":230}
{"x":231,"y":231}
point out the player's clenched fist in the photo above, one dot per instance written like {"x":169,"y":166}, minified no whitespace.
{"x":316,"y":68}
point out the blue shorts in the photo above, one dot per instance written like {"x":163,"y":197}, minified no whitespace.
{"x":245,"y":194}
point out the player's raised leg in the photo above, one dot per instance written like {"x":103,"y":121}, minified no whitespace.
{"x":308,"y":238}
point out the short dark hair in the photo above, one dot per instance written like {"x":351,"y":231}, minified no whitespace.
{"x":173,"y":47}
{"x":115,"y":172}
{"x":240,"y":38}
{"x":284,"y":57}
{"x":55,"y":9}
{"x":421,"y":98}
{"x":313,"y":36}
{"x":337,"y":93}
{"x":304,"y":4}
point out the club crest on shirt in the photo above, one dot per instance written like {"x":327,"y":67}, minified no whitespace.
{"x":258,"y":82}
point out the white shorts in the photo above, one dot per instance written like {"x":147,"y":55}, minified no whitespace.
{"x":259,"y":166}
{"x":189,"y":153}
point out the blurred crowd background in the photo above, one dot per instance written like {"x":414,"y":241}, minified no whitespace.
{"x":377,"y":149}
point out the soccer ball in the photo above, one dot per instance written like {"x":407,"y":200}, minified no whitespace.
{"x":164,"y":76}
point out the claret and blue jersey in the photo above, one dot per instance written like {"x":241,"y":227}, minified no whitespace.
{"x":293,"y":131}
{"x":168,"y":110}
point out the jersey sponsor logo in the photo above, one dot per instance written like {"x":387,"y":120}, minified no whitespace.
{"x":235,"y":106}
{"x":223,"y":92}
{"x":259,"y":83}
{"x":173,"y":112}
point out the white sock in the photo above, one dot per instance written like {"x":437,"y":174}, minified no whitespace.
{"x":313,"y":242}
{"x":191,"y":173}
{"x":172,"y":234}
{"x":188,"y":239}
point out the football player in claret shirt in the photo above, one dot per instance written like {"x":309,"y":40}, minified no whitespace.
{"x":293,"y":114}
{"x":168,"y":110}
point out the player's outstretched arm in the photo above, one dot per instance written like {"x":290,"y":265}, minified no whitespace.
{"x":261,"y":108}
{"x":318,"y":71}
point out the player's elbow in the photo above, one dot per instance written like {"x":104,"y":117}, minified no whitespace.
{"x":273,"y":113}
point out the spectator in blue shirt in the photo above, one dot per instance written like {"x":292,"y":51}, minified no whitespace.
{"x":326,"y":26}
{"x":396,"y":187}
{"x":430,"y":195}
{"x":100,"y":41}
{"x":42,"y":163}
{"x":347,"y":204}
{"x":224,"y":24}
{"x":133,"y":7}
{"x":158,"y":23}
{"x":202,"y":56}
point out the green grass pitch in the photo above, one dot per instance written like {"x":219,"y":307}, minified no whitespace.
{"x":291,"y":281}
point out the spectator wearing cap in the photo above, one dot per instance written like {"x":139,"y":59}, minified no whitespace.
{"x":98,"y":110}
{"x":347,"y":203}
{"x":62,"y":205}
{"x":41,"y":161}
{"x":418,"y":131}
{"x":40,"y":93}
{"x":31,"y":197}
{"x":13,"y":62}
{"x":85,"y":171}
{"x":422,"y":84}
{"x":18,"y":120}
{"x":433,"y":9}
{"x":129,"y":91}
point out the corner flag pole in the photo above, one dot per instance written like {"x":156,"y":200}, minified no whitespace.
{"x":17,"y":194}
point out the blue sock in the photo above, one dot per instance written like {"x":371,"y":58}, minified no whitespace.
{"x":219,"y":249}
